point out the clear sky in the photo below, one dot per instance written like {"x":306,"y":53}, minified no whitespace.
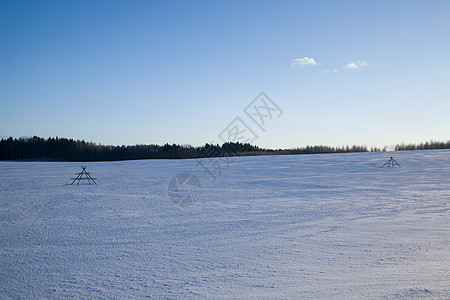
{"x":141,"y":72}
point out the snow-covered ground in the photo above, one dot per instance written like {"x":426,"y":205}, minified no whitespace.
{"x":305,"y":226}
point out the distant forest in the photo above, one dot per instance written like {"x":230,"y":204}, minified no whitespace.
{"x":63,"y":149}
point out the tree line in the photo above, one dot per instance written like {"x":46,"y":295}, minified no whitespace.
{"x":423,"y":146}
{"x":63,"y":149}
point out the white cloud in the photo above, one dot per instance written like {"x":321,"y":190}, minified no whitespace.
{"x":356,"y":65}
{"x":303,"y":61}
{"x":331,"y":71}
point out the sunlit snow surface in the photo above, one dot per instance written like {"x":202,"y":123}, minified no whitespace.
{"x":305,"y":226}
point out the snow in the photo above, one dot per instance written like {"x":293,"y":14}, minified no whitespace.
{"x":334,"y":226}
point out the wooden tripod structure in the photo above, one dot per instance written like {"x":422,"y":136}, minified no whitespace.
{"x":391,"y":163}
{"x":87,"y":176}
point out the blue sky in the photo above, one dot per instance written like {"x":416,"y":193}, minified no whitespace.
{"x":131,"y":72}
